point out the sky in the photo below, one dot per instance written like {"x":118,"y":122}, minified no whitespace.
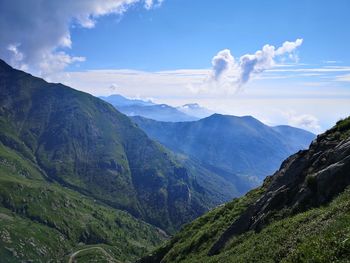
{"x":283,"y":62}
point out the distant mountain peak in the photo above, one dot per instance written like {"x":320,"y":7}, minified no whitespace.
{"x":147,"y":109}
{"x":117,"y":99}
{"x":195,"y":109}
{"x":227,"y":117}
{"x":240,"y":145}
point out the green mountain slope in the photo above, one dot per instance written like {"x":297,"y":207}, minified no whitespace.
{"x":79,"y":180}
{"x":85,"y":144}
{"x":300,"y":214}
{"x":237,"y":146}
{"x":42,"y":221}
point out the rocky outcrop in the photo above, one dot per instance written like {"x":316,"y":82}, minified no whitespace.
{"x":307,"y":179}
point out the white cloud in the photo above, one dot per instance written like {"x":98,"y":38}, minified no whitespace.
{"x":152,"y":3}
{"x":222,"y":63}
{"x":229,"y":72}
{"x":16,"y":56}
{"x":174,"y":87}
{"x":288,"y":47}
{"x":343,"y":78}
{"x":35,"y":33}
{"x":320,"y":69}
{"x":331,"y":61}
{"x":131,"y":82}
{"x":194,"y":82}
{"x":56,"y":61}
{"x":304,"y":121}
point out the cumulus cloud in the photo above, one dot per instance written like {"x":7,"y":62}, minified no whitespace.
{"x":222,"y":63}
{"x":35,"y":34}
{"x":288,"y":47}
{"x":228,"y":71}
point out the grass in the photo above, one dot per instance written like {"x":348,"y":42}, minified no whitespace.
{"x":194,"y":240}
{"x":318,"y":235}
{"x":343,"y":126}
{"x":43,"y":221}
{"x":84,"y":143}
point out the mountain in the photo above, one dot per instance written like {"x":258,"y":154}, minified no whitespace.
{"x":241,"y":146}
{"x":76,"y":172}
{"x":85,"y":144}
{"x":120,"y":101}
{"x":300,"y":214}
{"x":43,"y":218}
{"x":160,"y":112}
{"x":41,"y":221}
{"x":194,"y":109}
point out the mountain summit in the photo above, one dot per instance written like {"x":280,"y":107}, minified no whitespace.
{"x":236,"y":145}
{"x":137,"y":107}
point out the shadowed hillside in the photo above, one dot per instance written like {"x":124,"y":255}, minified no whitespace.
{"x":234,"y":145}
{"x":70,"y":163}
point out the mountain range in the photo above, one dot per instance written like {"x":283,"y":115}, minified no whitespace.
{"x":242,"y":146}
{"x":299,"y":214}
{"x":160,"y":112}
{"x":194,"y":109}
{"x":82,"y":182}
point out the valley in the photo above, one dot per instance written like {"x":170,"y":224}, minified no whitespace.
{"x":86,"y":180}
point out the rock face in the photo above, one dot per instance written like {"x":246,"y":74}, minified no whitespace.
{"x":307,"y":179}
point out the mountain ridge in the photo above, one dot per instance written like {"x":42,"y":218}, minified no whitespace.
{"x":137,"y":107}
{"x":239,"y":145}
{"x":84,"y":143}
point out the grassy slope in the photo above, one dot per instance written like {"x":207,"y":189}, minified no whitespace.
{"x":44,"y":221}
{"x":85,"y":144}
{"x":318,"y":235}
{"x":194,"y":239}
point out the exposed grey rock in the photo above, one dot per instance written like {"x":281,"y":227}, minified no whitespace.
{"x":307,"y":179}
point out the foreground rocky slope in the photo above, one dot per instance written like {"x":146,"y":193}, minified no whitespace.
{"x":301,"y":213}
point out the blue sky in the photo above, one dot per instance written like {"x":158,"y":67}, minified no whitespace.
{"x":284,"y":62}
{"x":186,"y":34}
